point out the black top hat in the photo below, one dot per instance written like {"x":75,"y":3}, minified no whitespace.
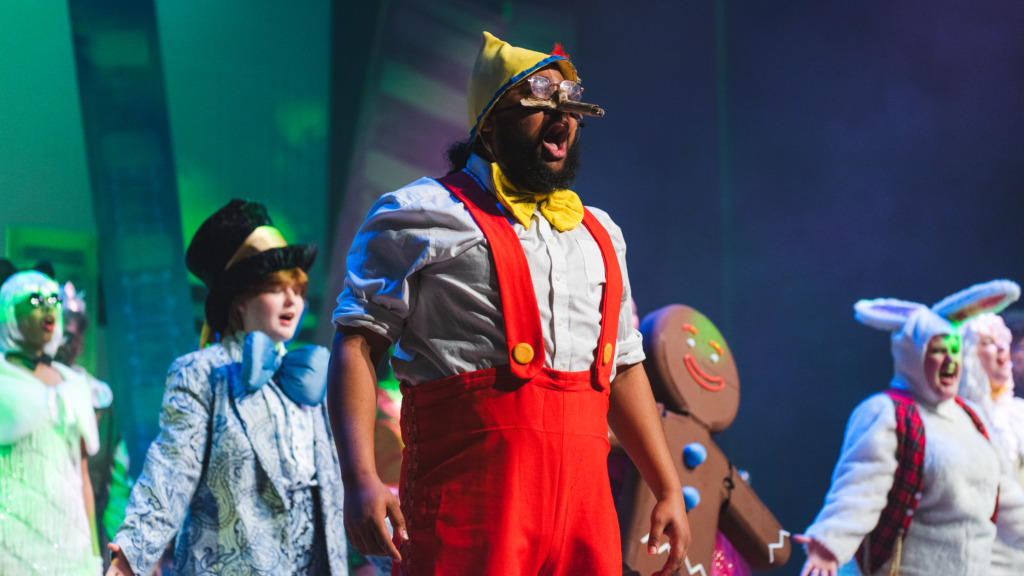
{"x":228,"y":253}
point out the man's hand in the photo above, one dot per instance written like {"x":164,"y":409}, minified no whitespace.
{"x":367,"y":502}
{"x":820,"y":560}
{"x":668,"y":519}
{"x":119,"y":565}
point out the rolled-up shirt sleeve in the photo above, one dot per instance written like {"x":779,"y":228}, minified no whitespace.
{"x":629,"y":341}
{"x":390,"y":247}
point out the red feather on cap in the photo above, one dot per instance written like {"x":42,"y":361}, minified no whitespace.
{"x":559,"y":51}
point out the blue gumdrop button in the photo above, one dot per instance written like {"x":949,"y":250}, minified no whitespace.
{"x":691,"y":497}
{"x":694,"y":454}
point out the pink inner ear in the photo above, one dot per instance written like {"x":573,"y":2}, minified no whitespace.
{"x":991,"y":302}
{"x":978,"y":307}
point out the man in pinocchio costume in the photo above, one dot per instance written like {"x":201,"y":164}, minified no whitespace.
{"x":509,"y":307}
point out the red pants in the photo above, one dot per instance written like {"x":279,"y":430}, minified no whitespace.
{"x":501,"y":477}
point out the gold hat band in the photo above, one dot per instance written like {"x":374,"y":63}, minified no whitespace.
{"x":261,"y":239}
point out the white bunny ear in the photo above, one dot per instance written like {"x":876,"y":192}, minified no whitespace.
{"x":978,"y":299}
{"x":887,"y":314}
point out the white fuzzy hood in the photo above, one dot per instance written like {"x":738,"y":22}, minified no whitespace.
{"x":908,"y":350}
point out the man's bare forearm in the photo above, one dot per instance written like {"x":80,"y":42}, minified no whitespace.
{"x":352,"y":398}
{"x":633,"y":416}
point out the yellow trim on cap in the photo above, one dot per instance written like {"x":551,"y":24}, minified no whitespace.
{"x":261,"y":239}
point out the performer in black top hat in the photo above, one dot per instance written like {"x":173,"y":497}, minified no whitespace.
{"x":245,"y":465}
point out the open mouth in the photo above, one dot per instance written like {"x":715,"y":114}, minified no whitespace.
{"x":287,"y":318}
{"x":711,"y":383}
{"x":556,"y":141}
{"x":950,"y":375}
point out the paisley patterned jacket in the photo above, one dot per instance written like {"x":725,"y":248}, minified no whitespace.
{"x":215,"y":472}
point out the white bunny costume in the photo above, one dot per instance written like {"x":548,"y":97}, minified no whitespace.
{"x":951,"y":531}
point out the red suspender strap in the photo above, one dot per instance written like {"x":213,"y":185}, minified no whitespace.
{"x":981,"y":428}
{"x":611,"y":301}
{"x":518,"y":299}
{"x":974,"y":417}
{"x":906,"y":485}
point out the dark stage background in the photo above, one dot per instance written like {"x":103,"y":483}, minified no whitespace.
{"x":815,"y":155}
{"x":769,"y":163}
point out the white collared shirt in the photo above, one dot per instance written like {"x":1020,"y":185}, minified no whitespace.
{"x":420,"y":273}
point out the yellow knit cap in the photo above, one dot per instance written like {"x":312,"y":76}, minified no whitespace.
{"x":498,"y":67}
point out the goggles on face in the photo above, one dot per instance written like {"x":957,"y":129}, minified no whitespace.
{"x":38,"y":300}
{"x":568,"y":100}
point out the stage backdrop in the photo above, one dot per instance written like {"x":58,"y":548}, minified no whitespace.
{"x":769,"y":163}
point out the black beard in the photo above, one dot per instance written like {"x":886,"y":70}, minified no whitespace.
{"x":523,"y":166}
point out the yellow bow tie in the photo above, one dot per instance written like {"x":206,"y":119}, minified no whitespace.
{"x":562,"y":208}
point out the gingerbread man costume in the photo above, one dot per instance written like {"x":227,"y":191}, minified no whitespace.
{"x":693,"y":375}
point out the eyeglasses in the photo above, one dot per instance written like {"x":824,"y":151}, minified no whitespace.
{"x":568,"y":101}
{"x":543,"y":88}
{"x":37,"y":300}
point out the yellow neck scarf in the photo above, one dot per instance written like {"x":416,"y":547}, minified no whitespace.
{"x":562,"y":208}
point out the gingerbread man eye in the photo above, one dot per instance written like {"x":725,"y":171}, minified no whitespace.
{"x":692,"y":330}
{"x":717,"y":354}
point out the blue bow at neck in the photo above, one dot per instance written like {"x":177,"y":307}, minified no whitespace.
{"x":301,"y":373}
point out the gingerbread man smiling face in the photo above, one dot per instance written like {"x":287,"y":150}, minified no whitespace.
{"x":693,"y":375}
{"x":691,"y":368}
